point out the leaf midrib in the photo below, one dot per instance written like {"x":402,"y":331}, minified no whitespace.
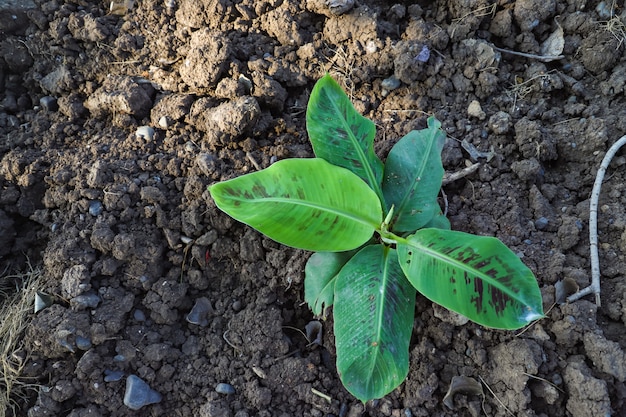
{"x":420,"y":174}
{"x":305,"y":203}
{"x":369,"y":173}
{"x":464,"y":267}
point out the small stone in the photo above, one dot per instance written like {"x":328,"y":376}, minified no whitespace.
{"x":475,"y":110}
{"x":500,"y":122}
{"x":200,"y":311}
{"x":164,"y":122}
{"x":138,"y":393}
{"x":339,"y":7}
{"x":541,"y":223}
{"x":49,"y":103}
{"x":389,"y":84}
{"x":83,"y":343}
{"x":144,"y":132}
{"x":84,"y":301}
{"x":95,"y":208}
{"x":112,"y":376}
{"x":139,"y":315}
{"x":226,"y":389}
{"x":42,"y":300}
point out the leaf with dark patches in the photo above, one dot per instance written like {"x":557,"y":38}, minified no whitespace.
{"x":287,"y":203}
{"x":497,"y":289}
{"x":340,"y":135}
{"x":413,"y":175}
{"x":373,"y":310}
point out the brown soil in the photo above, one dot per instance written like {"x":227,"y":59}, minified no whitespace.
{"x":129,"y":239}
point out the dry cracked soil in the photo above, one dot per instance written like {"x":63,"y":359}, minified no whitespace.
{"x":116,"y":116}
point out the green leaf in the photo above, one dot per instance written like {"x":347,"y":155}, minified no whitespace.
{"x":374,"y":307}
{"x":305,"y":203}
{"x":340,"y":135}
{"x":476,"y":276}
{"x":319,"y":279}
{"x":413,"y":174}
{"x":439,"y":221}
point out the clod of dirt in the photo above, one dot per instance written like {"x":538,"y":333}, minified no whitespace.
{"x":139,"y":394}
{"x":359,"y":25}
{"x":58,"y":80}
{"x":577,"y":319}
{"x":528,"y":170}
{"x":172,"y":107}
{"x":196,"y":14}
{"x":599,"y":51}
{"x":448,"y":316}
{"x":86,"y":27}
{"x":502,"y":23}
{"x":120,"y":94}
{"x":206,"y":60}
{"x":512,"y":363}
{"x":281,"y":23}
{"x":225,"y":123}
{"x":75,"y":281}
{"x":529,"y":13}
{"x":588,"y":396}
{"x":606,"y":355}
{"x":533,"y":141}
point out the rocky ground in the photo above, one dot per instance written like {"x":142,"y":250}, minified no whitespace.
{"x":116,"y":116}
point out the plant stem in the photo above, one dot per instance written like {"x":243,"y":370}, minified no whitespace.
{"x":593,"y":226}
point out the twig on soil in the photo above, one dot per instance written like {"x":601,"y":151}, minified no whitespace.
{"x":544,"y":380}
{"x":451,"y":177}
{"x":321,"y":394}
{"x":253,"y":161}
{"x":228,"y":341}
{"x":543,"y":58}
{"x":495,"y":396}
{"x":593,"y":226}
{"x":298,"y":330}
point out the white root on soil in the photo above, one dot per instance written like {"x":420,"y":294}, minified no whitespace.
{"x":593,"y":226}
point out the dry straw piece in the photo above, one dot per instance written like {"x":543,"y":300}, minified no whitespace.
{"x":17,"y":293}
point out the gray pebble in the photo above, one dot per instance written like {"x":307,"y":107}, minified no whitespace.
{"x":83,"y":343}
{"x":49,"y":103}
{"x":145,"y":132}
{"x":112,"y":376}
{"x":95,"y":208}
{"x":200,"y":311}
{"x":541,"y":223}
{"x":84,"y":301}
{"x":138,"y":393}
{"x":390,"y":84}
{"x":226,"y":389}
{"x":139,"y":315}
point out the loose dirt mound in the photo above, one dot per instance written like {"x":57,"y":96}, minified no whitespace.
{"x":115,"y":120}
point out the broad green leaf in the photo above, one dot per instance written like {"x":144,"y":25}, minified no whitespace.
{"x":340,"y":135}
{"x":439,"y":221}
{"x":305,"y":203}
{"x":413,"y":174}
{"x":476,"y":276}
{"x":319,"y":279}
{"x":374,"y":307}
